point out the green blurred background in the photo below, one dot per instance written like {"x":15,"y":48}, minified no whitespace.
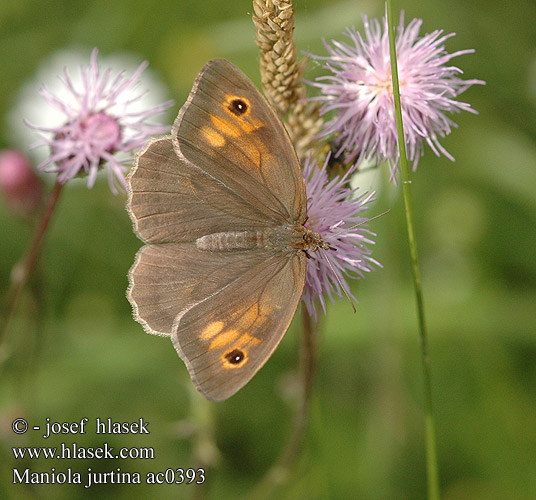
{"x":74,"y":350}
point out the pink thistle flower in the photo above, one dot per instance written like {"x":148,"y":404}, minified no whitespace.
{"x":334,"y":210}
{"x":360,"y":92}
{"x":101,"y":121}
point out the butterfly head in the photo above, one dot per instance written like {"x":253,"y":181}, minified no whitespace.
{"x":313,"y":242}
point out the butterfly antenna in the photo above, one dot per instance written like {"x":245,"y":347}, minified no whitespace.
{"x":325,"y":255}
{"x":346,"y":229}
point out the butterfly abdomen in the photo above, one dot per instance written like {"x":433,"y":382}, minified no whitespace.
{"x":232,"y":240}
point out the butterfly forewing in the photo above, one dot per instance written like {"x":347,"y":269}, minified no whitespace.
{"x":227,"y":129}
{"x":170,"y":200}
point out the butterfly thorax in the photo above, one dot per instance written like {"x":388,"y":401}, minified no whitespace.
{"x":293,"y":237}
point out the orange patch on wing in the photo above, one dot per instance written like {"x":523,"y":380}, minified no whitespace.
{"x":212,"y":329}
{"x":255,"y":315}
{"x":254,"y":149}
{"x":223,"y":339}
{"x":226,"y":127}
{"x":249,"y":317}
{"x":247,"y":339}
{"x":213,"y":137}
{"x":250,"y":125}
{"x":238,"y":126}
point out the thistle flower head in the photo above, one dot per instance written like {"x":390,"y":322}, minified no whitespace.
{"x":334,"y":210}
{"x":102,"y":119}
{"x":359,"y":91}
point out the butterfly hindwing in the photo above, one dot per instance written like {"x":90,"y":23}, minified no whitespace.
{"x":167,"y":280}
{"x":225,"y":339}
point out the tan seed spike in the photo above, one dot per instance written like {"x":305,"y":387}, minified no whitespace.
{"x":282,"y":75}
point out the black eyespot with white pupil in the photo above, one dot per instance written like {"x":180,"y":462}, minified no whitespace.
{"x":235,"y":357}
{"x":238,"y":107}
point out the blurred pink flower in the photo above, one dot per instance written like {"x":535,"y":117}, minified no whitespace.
{"x":19,"y":183}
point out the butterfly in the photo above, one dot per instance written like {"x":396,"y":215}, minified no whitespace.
{"x":221,"y":207}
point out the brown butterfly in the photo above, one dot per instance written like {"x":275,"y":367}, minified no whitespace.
{"x":221,"y":206}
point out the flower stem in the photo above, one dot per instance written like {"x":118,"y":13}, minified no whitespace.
{"x":281,"y":470}
{"x":24,"y":268}
{"x":205,"y":453}
{"x":431,"y":446}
